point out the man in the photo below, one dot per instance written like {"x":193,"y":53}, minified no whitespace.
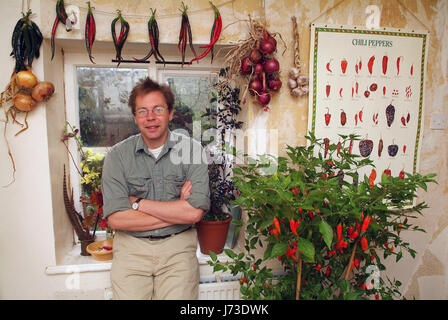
{"x":152,"y":202}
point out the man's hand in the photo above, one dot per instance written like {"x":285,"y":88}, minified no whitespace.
{"x":185,"y":191}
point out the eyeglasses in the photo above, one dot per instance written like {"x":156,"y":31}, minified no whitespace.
{"x":142,"y":113}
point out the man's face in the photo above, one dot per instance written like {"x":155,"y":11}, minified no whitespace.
{"x":152,"y":118}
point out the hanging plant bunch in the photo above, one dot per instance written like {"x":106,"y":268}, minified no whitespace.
{"x":298,"y":83}
{"x":254,"y":60}
{"x":185,"y":35}
{"x":62,"y":17}
{"x":153,"y":31}
{"x":26,"y":40}
{"x":120,"y":41}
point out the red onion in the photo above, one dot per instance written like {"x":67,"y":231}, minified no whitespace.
{"x":274,"y":84}
{"x":271,"y":66}
{"x":258,"y":68}
{"x":264,"y":97}
{"x":255,"y":56}
{"x":268,"y":46}
{"x":255,"y":86}
{"x":246,"y":66}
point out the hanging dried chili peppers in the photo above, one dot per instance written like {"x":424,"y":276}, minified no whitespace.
{"x":185,"y":34}
{"x":216,"y":32}
{"x":153,"y":31}
{"x":61,"y":16}
{"x":124,"y":31}
{"x":90,"y":31}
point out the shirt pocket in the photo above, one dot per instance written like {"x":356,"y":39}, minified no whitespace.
{"x":139,"y":186}
{"x":172,"y":187}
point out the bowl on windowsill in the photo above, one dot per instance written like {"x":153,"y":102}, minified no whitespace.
{"x":101,"y":250}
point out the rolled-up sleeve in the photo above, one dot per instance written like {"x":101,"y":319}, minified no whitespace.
{"x":113,"y":184}
{"x":200,"y":192}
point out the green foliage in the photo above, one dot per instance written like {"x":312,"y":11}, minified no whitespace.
{"x":312,"y":195}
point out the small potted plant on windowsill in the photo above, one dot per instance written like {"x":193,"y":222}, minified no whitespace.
{"x":214,"y":226}
{"x":90,"y":170}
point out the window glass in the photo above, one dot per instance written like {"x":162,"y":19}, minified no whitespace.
{"x":193,"y":96}
{"x":104,"y":115}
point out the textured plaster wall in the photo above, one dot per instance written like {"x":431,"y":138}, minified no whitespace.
{"x":32,"y":218}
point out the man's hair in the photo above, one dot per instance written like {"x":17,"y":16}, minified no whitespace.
{"x":145,"y":86}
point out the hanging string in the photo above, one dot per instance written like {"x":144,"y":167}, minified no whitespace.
{"x":23,"y":5}
{"x":159,"y":16}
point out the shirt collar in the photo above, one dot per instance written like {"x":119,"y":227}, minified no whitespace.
{"x":169,"y":143}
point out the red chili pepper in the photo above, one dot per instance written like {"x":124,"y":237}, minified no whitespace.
{"x":328,"y":272}
{"x":328,"y":66}
{"x":370,"y":64}
{"x":356,"y":263}
{"x":294,"y":225}
{"x":318,"y":267}
{"x":311,"y":214}
{"x":327,"y":117}
{"x":124,"y":31}
{"x":343,"y":65}
{"x":354,"y":235}
{"x":350,"y":147}
{"x":385,"y":60}
{"x":412,"y":70}
{"x":365,"y":224}
{"x":360,"y":115}
{"x":402,"y":174}
{"x":53,"y":34}
{"x":372,"y":178}
{"x":339,"y":232}
{"x":356,"y":87}
{"x":327,"y":90}
{"x":398,"y":65}
{"x":295,"y":191}
{"x":364,"y":244}
{"x":90,"y":31}
{"x":277,"y":225}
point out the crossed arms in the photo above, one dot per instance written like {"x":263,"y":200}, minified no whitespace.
{"x":157,"y":214}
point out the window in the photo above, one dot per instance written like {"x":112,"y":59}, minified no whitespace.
{"x":97,"y":101}
{"x":103,"y":93}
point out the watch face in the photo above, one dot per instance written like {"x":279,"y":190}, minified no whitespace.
{"x":135,"y":205}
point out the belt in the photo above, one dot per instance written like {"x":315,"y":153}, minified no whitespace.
{"x":165,"y":236}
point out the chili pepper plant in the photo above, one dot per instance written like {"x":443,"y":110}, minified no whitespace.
{"x":330,"y":232}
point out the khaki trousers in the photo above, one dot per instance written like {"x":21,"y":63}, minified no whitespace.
{"x":165,"y":269}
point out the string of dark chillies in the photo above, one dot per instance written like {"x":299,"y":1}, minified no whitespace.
{"x":61,"y":16}
{"x":90,"y":31}
{"x":185,"y":31}
{"x":153,"y":31}
{"x":26,"y":41}
{"x":124,"y":31}
{"x":216,"y":32}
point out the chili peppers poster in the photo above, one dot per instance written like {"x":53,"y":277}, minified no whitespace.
{"x":369,"y":83}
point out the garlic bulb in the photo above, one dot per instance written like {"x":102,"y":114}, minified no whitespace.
{"x":292,"y":84}
{"x":303,"y":79}
{"x":297,"y":92}
{"x":294,"y":73}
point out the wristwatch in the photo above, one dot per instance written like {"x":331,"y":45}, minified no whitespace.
{"x":135,"y":204}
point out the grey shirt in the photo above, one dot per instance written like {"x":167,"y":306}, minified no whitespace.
{"x":130,"y":169}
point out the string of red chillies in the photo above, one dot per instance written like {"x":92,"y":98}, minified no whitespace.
{"x":61,"y":16}
{"x":90,"y":31}
{"x":216,"y":32}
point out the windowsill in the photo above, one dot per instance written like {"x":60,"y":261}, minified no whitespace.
{"x":74,"y":262}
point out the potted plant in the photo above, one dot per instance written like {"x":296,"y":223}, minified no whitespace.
{"x":214,"y":226}
{"x":90,"y":170}
{"x":329,"y":229}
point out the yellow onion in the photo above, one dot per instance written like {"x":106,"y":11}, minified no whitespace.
{"x":43,"y":91}
{"x":26,"y":79}
{"x":24,"y":102}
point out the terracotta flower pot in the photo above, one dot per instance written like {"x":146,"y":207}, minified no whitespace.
{"x":212,"y":235}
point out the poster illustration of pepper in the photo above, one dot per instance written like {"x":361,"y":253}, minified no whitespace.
{"x":369,"y":83}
